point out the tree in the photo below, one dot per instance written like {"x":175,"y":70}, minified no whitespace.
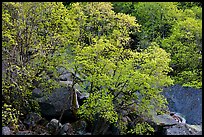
{"x":185,"y":46}
{"x":124,"y":7}
{"x":119,"y":79}
{"x":156,"y":19}
{"x":188,"y":5}
{"x":33,"y":37}
{"x":170,"y":25}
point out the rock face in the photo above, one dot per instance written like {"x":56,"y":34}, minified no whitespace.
{"x":186,"y":101}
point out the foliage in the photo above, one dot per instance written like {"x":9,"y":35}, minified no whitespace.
{"x":185,"y":46}
{"x":123,"y":52}
{"x":155,"y":18}
{"x":10,"y":116}
{"x":188,"y":5}
{"x":142,"y":128}
{"x":124,"y":7}
{"x":114,"y":71}
{"x":99,"y":103}
{"x":33,"y":36}
{"x":114,"y":81}
{"x":176,"y":27}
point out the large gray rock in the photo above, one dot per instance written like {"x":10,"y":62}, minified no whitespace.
{"x":164,"y":120}
{"x":66,"y":129}
{"x":54,"y":126}
{"x":186,"y":101}
{"x":52,"y":105}
{"x":6,"y":131}
{"x":181,"y":129}
{"x":166,"y":125}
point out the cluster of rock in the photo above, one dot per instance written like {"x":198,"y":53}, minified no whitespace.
{"x":35,"y":125}
{"x":186,"y":101}
{"x":170,"y":125}
{"x":32,"y":125}
{"x":51,"y":105}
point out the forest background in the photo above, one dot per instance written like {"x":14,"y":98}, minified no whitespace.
{"x":124,"y":53}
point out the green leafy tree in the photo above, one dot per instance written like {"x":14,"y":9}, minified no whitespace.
{"x":188,"y":5}
{"x":170,"y":24}
{"x":119,"y":79}
{"x":124,"y":7}
{"x":33,"y":37}
{"x":185,"y":46}
{"x":156,"y":19}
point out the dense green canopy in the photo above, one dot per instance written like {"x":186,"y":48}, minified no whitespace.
{"x":125,"y":53}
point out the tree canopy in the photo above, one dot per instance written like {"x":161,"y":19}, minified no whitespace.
{"x":177,"y":28}
{"x":125,"y":53}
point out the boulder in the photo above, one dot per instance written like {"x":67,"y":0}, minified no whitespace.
{"x":159,"y":122}
{"x":186,"y":101}
{"x":166,"y":124}
{"x":164,"y":120}
{"x":52,"y":105}
{"x":180,"y":129}
{"x":6,"y":131}
{"x":54,"y":126}
{"x":66,"y":129}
